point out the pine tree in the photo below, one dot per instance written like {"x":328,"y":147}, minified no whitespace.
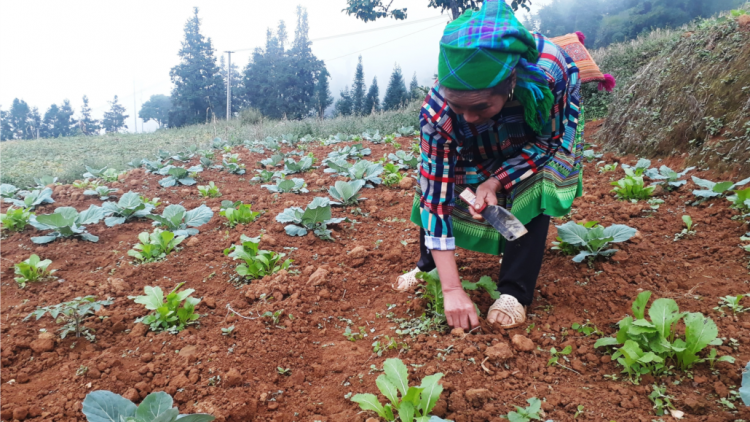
{"x":358,"y":90}
{"x":396,"y":94}
{"x":305,"y":70}
{"x":65,"y":124}
{"x":322,"y":97}
{"x":18,"y":118}
{"x":414,"y":92}
{"x":157,"y":108}
{"x":114,"y":119}
{"x":49,"y":124}
{"x":344,"y":105}
{"x":87,"y":124}
{"x":34,"y":129}
{"x":6,"y":133}
{"x":198,"y":92}
{"x":372,"y":100}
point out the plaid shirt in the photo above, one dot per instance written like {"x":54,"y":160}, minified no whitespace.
{"x":454,"y":151}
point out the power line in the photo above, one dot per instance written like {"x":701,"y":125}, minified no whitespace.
{"x":360,"y":32}
{"x":378,"y":45}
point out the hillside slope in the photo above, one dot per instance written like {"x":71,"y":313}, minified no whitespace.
{"x":690,"y":95}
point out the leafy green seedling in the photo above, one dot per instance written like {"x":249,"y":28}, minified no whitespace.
{"x":106,"y":406}
{"x":86,"y":184}
{"x":740,"y":200}
{"x":72,"y":314}
{"x":105,"y":173}
{"x":404,"y":160}
{"x":556,"y":355}
{"x":230,"y":164}
{"x":714,"y":189}
{"x":257,"y":263}
{"x":130,"y":205}
{"x":155,"y":246}
{"x":391,"y":174}
{"x":415,"y":403}
{"x":485,"y":283}
{"x":177,"y":220}
{"x":31,"y":270}
{"x":168,"y":314}
{"x":526,"y":414}
{"x":640,"y":168}
{"x":287,"y":186}
{"x":265,"y":176}
{"x":15,"y":219}
{"x":647,"y":347}
{"x":274,"y":316}
{"x":316,"y":218}
{"x":579,"y":411}
{"x":591,"y":241}
{"x":31,"y":200}
{"x":732,"y":303}
{"x":209,"y":191}
{"x":238,"y":213}
{"x":586,"y":328}
{"x":713,"y":357}
{"x":284,"y":371}
{"x":346,"y":193}
{"x":67,"y":222}
{"x":668,"y":177}
{"x":229,"y":331}
{"x":354,"y":336}
{"x":632,"y":188}
{"x":688,"y":230}
{"x":103,"y":192}
{"x":608,"y":168}
{"x":291,"y":167}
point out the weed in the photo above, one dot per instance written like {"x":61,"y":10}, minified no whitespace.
{"x":229,"y":331}
{"x":662,"y":402}
{"x":274,"y":316}
{"x":284,"y":371}
{"x":72,"y":314}
{"x":354,"y":336}
{"x":555,"y":355}
{"x":169,"y":316}
{"x":732,"y":303}
{"x":525,"y":414}
{"x":586,"y":328}
{"x":31,"y":270}
{"x":414,"y":403}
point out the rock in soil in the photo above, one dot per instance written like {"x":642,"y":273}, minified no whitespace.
{"x":318,"y":277}
{"x":477,"y":397}
{"x":233,"y":378}
{"x":406,"y":183}
{"x":522,"y":344}
{"x":499,"y":352}
{"x":43,"y":345}
{"x":20,"y":413}
{"x":139,"y":330}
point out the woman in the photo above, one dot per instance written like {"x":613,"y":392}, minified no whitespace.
{"x":502,"y":120}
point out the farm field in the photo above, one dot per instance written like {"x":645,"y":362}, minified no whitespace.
{"x":297,"y":364}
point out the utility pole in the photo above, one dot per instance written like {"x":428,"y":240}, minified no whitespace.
{"x":229,"y":84}
{"x":135,"y":111}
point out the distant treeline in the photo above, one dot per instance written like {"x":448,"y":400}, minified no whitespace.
{"x":608,"y":21}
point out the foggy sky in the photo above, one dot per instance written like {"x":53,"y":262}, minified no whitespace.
{"x":56,"y":50}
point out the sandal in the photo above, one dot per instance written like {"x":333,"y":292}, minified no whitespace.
{"x":509,"y":306}
{"x":409,"y":278}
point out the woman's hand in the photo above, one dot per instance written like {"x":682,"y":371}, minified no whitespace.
{"x":459,"y":309}
{"x":486,"y":194}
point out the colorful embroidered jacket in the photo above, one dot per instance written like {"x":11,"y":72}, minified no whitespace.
{"x":454,"y":151}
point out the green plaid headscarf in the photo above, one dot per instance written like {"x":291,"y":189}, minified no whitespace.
{"x":481,"y":48}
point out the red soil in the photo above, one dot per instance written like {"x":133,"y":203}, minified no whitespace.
{"x":125,"y":359}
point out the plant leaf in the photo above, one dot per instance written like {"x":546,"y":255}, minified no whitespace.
{"x":106,"y":406}
{"x":153,"y":405}
{"x":369,"y":402}
{"x":397,"y":374}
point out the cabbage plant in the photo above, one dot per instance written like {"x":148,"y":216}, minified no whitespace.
{"x":294,"y":185}
{"x":367,"y":171}
{"x":8,"y":190}
{"x":130,"y":205}
{"x":591,"y":240}
{"x":404,"y":159}
{"x":352,"y":151}
{"x":31,"y":200}
{"x":316,"y":217}
{"x":44,"y":181}
{"x":304,"y":164}
{"x":177,"y":220}
{"x":178,"y":175}
{"x":337,"y":165}
{"x":106,"y":406}
{"x":639,"y":169}
{"x":346,"y":193}
{"x":273,"y":161}
{"x":104,"y":173}
{"x":666,"y":175}
{"x":715,"y":189}
{"x":66,"y":222}
{"x":103,"y":192}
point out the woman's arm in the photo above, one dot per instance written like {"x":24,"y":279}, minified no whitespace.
{"x":459,"y":309}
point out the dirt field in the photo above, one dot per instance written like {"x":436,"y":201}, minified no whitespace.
{"x":325,"y":366}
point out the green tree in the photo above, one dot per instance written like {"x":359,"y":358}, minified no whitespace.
{"x":305,"y":70}
{"x":370,"y":10}
{"x":396,"y":94}
{"x":261,"y":87}
{"x":87,"y":124}
{"x":414,"y":91}
{"x":372,"y":100}
{"x":18,"y":119}
{"x":34,"y":124}
{"x":358,"y":89}
{"x":198,"y":92}
{"x":344,"y":105}
{"x":157,"y":108}
{"x":6,"y":133}
{"x":65,"y":124}
{"x":49,"y":124}
{"x":322,"y":97}
{"x":114,"y":119}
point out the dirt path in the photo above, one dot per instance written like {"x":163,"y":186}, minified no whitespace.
{"x":236,"y":378}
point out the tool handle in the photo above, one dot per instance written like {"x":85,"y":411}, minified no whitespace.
{"x":469,"y":197}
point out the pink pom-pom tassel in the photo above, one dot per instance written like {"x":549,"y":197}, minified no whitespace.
{"x":608,"y":84}
{"x":581,"y":37}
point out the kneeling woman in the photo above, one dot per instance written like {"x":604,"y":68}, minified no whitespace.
{"x":502,"y":119}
